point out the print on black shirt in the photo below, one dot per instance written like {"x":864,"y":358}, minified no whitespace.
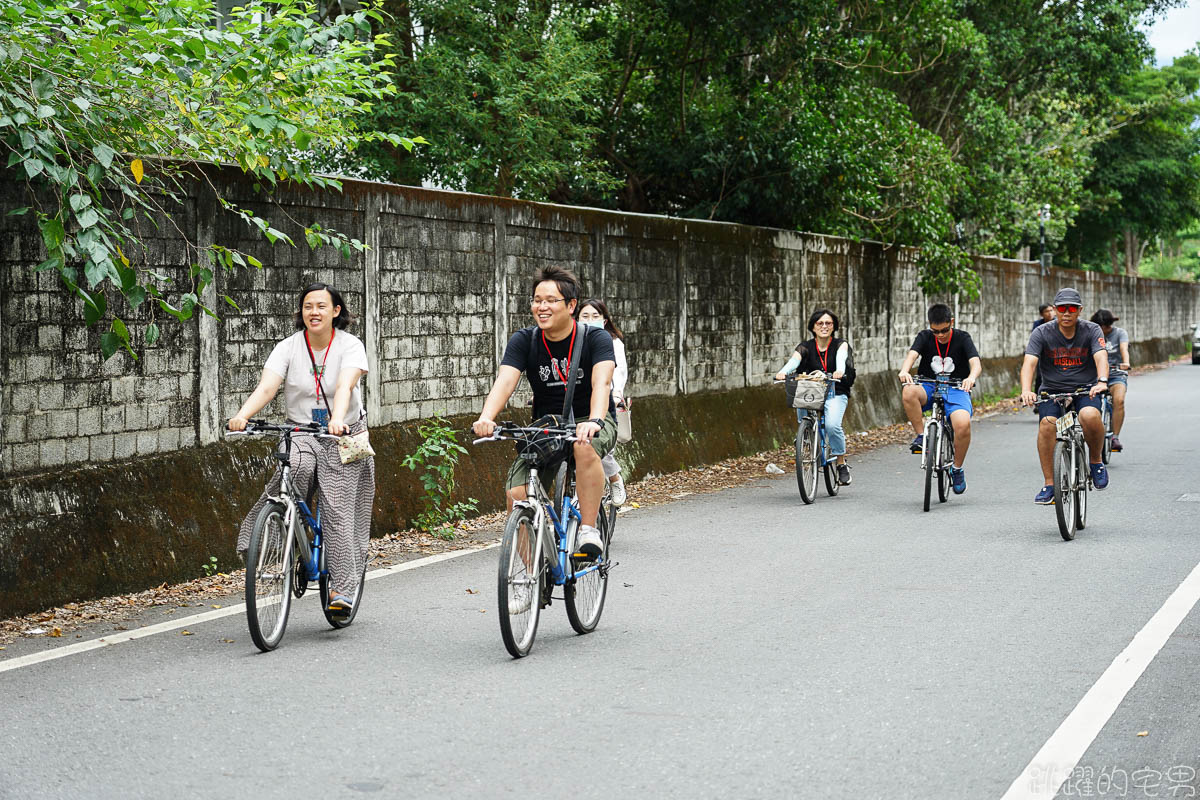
{"x":545,"y":381}
{"x":953,"y":357}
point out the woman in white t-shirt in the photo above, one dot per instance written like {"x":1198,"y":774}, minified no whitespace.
{"x":320,"y":367}
{"x":595,"y":312}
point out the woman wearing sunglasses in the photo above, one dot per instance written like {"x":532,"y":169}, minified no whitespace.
{"x":1069,"y":355}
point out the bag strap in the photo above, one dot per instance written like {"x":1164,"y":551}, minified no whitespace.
{"x":572,"y":371}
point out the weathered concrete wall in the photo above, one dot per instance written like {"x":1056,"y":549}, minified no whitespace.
{"x":101,"y":484}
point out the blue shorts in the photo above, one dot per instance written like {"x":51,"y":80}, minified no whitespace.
{"x":955,"y":399}
{"x":1114,"y":379}
{"x":1054,"y":408}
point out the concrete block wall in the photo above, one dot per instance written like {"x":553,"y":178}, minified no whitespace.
{"x":705,"y":307}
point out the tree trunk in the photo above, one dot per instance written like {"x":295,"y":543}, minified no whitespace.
{"x":1113,"y":250}
{"x":1131,"y":252}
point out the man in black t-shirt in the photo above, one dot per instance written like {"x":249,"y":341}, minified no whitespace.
{"x":944,"y":351}
{"x":543,"y":353}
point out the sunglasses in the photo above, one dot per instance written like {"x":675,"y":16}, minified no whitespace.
{"x":1068,"y":309}
{"x":940,"y":331}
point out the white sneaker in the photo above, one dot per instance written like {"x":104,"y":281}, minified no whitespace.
{"x":617,"y":488}
{"x":520,"y":598}
{"x":588,"y":542}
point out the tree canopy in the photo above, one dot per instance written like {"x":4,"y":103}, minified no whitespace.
{"x":943,"y":124}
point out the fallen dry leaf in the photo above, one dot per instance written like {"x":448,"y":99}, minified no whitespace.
{"x":227,"y":641}
{"x":1144,"y":733}
{"x":185,"y":633}
{"x":55,"y":632}
{"x":216,"y":605}
{"x":472,"y":591}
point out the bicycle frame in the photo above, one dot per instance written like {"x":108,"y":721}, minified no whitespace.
{"x":561,"y":567}
{"x":937,"y":417}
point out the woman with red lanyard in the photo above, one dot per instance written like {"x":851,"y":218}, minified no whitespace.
{"x":831,"y":355}
{"x":320,"y":368}
{"x":943,"y":350}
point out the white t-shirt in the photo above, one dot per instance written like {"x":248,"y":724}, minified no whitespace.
{"x":621,"y":373}
{"x":290,"y":361}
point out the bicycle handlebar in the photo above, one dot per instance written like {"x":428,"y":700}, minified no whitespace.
{"x":508,"y":431}
{"x":1082,"y":391}
{"x":258,"y":427}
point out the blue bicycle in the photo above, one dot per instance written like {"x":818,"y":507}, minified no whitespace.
{"x":812,"y":445}
{"x":287,"y":552}
{"x":537,"y":551}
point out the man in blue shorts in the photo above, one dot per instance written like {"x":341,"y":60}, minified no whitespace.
{"x":1069,"y":355}
{"x":943,"y":350}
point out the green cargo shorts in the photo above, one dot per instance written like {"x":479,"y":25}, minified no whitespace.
{"x":603,"y":443}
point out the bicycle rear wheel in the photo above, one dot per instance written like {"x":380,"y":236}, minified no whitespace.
{"x":806,"y":459}
{"x":519,"y":582}
{"x":1064,"y":490}
{"x":585,"y":595}
{"x":830,"y":470}
{"x":945,"y":459}
{"x":343,"y":620}
{"x":1081,"y":493}
{"x":270,"y":569}
{"x":933,"y":438}
{"x":1106,"y":417}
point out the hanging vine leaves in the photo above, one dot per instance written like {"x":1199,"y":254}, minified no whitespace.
{"x":107,"y":107}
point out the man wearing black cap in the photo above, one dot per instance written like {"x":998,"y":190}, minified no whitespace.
{"x":1117,"y":342}
{"x":1069,"y":354}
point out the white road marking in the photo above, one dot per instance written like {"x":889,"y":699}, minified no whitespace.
{"x":1053,"y":764}
{"x":207,"y":616}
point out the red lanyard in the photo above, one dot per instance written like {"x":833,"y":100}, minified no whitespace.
{"x":570,"y":351}
{"x":317,"y":376}
{"x":824,"y":358}
{"x":938,"y":348}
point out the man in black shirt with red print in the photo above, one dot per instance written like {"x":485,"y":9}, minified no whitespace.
{"x":943,"y":351}
{"x":1069,"y":354}
{"x":543,"y":352}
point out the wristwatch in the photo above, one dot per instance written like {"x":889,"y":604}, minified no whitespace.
{"x":598,"y":421}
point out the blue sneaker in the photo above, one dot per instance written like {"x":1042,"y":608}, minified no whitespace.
{"x":958,"y":479}
{"x":1099,"y":476}
{"x":1046,"y":496}
{"x":918,"y":444}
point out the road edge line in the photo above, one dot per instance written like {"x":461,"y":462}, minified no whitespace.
{"x":207,"y":616}
{"x":1053,"y":764}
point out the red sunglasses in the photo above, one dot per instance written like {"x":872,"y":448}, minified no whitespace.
{"x":1068,"y":309}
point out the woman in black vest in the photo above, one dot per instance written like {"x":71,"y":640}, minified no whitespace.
{"x":831,"y":355}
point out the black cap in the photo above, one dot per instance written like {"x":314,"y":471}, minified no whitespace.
{"x":1068,"y":297}
{"x":1104,"y":317}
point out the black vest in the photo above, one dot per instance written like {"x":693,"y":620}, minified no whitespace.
{"x":812,"y":362}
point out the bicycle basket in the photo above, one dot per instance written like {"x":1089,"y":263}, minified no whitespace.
{"x":806,"y":391}
{"x":544,"y":450}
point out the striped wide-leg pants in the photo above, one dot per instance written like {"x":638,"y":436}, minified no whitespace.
{"x":345,"y":494}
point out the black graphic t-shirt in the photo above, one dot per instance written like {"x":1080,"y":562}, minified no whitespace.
{"x":1066,"y":364}
{"x":545,"y":379}
{"x":952,"y":358}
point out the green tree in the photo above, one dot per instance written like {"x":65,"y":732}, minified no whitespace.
{"x":1146,"y":182}
{"x":506,"y":89}
{"x":107,"y":106}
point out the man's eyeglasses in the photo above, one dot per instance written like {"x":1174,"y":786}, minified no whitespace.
{"x":1067,"y":309}
{"x":940,"y":331}
{"x":546,"y":301}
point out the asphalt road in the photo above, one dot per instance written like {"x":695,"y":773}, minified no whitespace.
{"x":751,"y":647}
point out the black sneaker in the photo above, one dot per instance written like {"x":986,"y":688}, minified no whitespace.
{"x":918,"y":445}
{"x":843,"y":471}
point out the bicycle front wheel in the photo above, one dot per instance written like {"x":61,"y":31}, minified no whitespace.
{"x":520,"y":577}
{"x":806,"y":459}
{"x":945,"y":459}
{"x":585,"y":595}
{"x":1106,"y":418}
{"x":270,"y":569}
{"x":1064,"y":490}
{"x":933,"y":438}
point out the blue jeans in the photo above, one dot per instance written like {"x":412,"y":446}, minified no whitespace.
{"x":835,"y":409}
